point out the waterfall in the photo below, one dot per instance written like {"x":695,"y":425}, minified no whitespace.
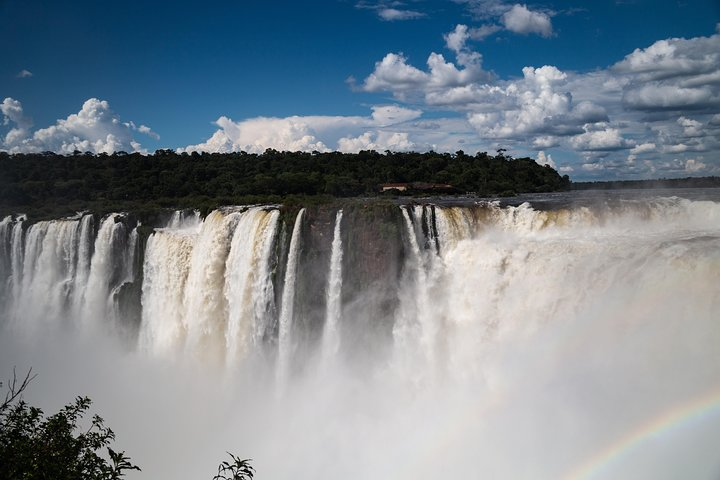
{"x":166,"y":267}
{"x":5,"y":258}
{"x":17,"y":253}
{"x":84,"y":256}
{"x":331,"y":335}
{"x":107,"y":263}
{"x":416,"y":329}
{"x":248,"y":287}
{"x":204,"y":303}
{"x":470,"y":335}
{"x":288,"y":301}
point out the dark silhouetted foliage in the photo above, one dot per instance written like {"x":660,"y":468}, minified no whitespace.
{"x":236,"y":469}
{"x":58,"y":447}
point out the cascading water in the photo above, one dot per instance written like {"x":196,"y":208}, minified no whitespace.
{"x":506,"y":342}
{"x":331,"y":336}
{"x":248,"y":286}
{"x":287,"y":306}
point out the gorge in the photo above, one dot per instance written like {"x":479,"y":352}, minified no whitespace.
{"x":563,"y":340}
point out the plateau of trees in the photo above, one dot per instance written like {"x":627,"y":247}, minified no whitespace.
{"x":45,"y":181}
{"x":67,"y":446}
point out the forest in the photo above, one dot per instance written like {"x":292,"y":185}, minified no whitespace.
{"x":47,"y":184}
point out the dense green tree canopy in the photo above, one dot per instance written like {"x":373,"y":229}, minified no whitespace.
{"x":168,"y":179}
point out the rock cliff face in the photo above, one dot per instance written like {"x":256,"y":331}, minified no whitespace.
{"x":372,"y":268}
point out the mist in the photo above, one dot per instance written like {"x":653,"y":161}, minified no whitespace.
{"x":490,"y":342}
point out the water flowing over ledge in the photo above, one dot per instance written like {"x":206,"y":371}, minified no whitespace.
{"x":486,"y":315}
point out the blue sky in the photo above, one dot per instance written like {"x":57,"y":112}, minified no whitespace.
{"x":600,"y":89}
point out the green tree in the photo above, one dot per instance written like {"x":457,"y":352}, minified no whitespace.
{"x":59,"y":447}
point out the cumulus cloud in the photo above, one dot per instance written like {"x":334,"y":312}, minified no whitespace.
{"x":520,"y":19}
{"x":543,"y":159}
{"x":673,"y":74}
{"x":538,"y":105}
{"x":600,"y":140}
{"x":674,"y":57}
{"x":24,"y":74}
{"x":377,"y":140}
{"x":658,"y":101}
{"x":312,"y":133}
{"x":516,"y":18}
{"x":670,"y":97}
{"x":95,"y":128}
{"x":394,"y":74}
{"x":12,"y":111}
{"x":643,"y":148}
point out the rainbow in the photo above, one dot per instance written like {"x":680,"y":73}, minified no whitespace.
{"x":692,"y":411}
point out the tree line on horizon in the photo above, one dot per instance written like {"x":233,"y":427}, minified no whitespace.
{"x":168,"y":179}
{"x":686,"y":182}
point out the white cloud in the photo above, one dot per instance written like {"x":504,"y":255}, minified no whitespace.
{"x":673,"y":74}
{"x":24,"y":74}
{"x":643,"y":148}
{"x":95,"y":128}
{"x":310,"y":133}
{"x":678,"y":148}
{"x":600,"y":140}
{"x":592,"y":167}
{"x":543,"y":159}
{"x":485,"y":9}
{"x":658,"y":101}
{"x":538,"y":105}
{"x":484,"y":31}
{"x":377,"y":140}
{"x":393,"y":114}
{"x":691,"y":128}
{"x":12,"y":111}
{"x":693,"y":166}
{"x":654,"y":96}
{"x":546,"y":141}
{"x":393,"y":14}
{"x":673,"y":58}
{"x":394,"y":74}
{"x":148,"y":131}
{"x":456,"y":39}
{"x":520,"y":19}
{"x":514,"y":18}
